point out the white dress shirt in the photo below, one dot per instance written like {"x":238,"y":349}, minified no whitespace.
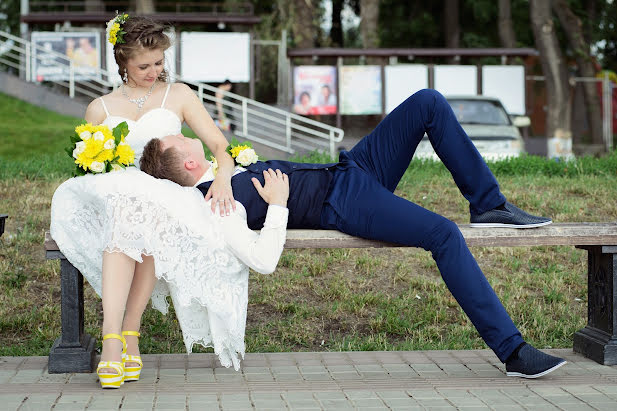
{"x":262,"y":250}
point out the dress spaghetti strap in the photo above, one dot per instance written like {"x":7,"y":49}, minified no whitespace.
{"x":165,"y":97}
{"x":104,"y":106}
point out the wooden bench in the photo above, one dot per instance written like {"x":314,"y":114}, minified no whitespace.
{"x":73,"y":351}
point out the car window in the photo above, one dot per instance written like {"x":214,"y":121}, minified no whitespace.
{"x":479,"y":112}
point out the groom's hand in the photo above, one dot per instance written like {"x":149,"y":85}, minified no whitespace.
{"x":275,"y":189}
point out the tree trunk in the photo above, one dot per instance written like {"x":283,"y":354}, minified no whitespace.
{"x":369,"y":19}
{"x":336,"y":32}
{"x":573,"y":27}
{"x":558,"y":130}
{"x":506,"y":28}
{"x":144,"y":7}
{"x":451,"y":26}
{"x":302,"y":26}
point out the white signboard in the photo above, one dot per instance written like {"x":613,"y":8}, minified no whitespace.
{"x":83,"y":48}
{"x":456,"y":80}
{"x":170,"y":60}
{"x":507,"y":83}
{"x":215,"y":57}
{"x":402,"y":81}
{"x":360,"y":89}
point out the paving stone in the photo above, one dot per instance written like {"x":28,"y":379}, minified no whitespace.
{"x":229,"y":377}
{"x":369,"y":368}
{"x":82,"y":378}
{"x":424,"y":394}
{"x":299,"y":395}
{"x":74,"y":399}
{"x":575,"y":407}
{"x":369,"y":402}
{"x":317,"y":377}
{"x":336,"y":404}
{"x":259,"y":377}
{"x":288,"y":377}
{"x":400,"y":402}
{"x":313,"y":369}
{"x":394,"y":394}
{"x":69,"y":407}
{"x":346,"y":376}
{"x":304,"y":404}
{"x":433,"y":403}
{"x":285,"y":369}
{"x":165,"y":398}
{"x":358,"y":395}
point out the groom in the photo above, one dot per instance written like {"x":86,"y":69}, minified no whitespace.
{"x":355,"y":196}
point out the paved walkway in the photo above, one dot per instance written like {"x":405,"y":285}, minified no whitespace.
{"x":399,"y":380}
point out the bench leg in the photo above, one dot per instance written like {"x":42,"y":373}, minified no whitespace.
{"x":598,"y":340}
{"x":73,"y":351}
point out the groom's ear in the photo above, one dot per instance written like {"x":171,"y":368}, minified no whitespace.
{"x":190,"y":164}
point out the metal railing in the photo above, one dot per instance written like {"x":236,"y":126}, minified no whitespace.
{"x":250,"y":119}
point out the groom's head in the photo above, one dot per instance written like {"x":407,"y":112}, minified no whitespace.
{"x":176,"y":158}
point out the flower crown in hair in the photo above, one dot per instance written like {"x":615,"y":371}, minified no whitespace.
{"x":115,"y":34}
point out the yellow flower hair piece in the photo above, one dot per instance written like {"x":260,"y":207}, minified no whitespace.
{"x":115,"y":34}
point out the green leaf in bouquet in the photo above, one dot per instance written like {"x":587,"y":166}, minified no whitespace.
{"x":69,"y":151}
{"x":79,"y":172}
{"x":120,"y":130}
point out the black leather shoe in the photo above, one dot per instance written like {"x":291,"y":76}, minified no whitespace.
{"x":532,"y":363}
{"x":508,"y":216}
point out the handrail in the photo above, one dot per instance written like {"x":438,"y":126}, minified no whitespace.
{"x":253,"y":121}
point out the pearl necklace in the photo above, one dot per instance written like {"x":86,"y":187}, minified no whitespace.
{"x":141,"y":100}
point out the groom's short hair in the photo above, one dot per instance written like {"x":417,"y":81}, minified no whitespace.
{"x":167,"y":164}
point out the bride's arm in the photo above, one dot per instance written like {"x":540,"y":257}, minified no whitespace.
{"x":198,"y":119}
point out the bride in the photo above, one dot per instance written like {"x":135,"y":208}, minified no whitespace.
{"x":134,"y":237}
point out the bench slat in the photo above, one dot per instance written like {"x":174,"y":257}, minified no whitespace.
{"x":553,"y":234}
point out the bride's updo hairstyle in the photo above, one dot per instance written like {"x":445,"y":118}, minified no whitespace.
{"x":141,"y":33}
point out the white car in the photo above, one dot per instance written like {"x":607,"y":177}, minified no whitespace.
{"x":494,"y":133}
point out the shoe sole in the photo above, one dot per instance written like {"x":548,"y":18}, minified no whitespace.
{"x":503,"y":225}
{"x":518,"y":374}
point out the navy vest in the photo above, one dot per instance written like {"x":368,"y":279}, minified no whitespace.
{"x":308,"y":187}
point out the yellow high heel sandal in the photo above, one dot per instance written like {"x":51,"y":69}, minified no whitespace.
{"x":132,"y":373}
{"x":112,"y":380}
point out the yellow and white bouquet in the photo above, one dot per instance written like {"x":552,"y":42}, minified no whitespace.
{"x":243,"y":154}
{"x":97,"y":149}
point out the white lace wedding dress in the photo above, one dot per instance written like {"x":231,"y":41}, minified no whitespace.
{"x":131,"y":212}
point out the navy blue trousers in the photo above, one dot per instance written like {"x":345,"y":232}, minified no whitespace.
{"x":361,"y":203}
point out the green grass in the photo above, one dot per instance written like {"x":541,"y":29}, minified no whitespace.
{"x":318,"y":300}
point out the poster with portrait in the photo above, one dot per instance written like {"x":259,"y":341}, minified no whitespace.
{"x":360,"y":89}
{"x":51,"y":52}
{"x":170,"y":60}
{"x":314,"y":90}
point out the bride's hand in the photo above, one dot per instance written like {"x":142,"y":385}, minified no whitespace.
{"x":221,"y":193}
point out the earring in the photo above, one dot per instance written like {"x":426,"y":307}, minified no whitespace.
{"x":125,"y":78}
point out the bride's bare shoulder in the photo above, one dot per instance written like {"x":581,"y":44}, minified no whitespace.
{"x":181,"y":89}
{"x":95,"y":113}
